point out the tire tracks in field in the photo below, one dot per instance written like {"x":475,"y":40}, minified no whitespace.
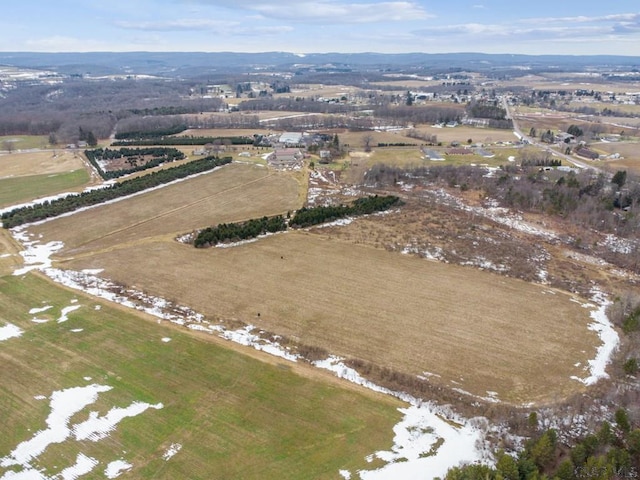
{"x":156,"y":217}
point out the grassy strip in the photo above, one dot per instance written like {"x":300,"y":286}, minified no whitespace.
{"x":235,"y":416}
{"x":23,"y":189}
{"x":70,"y":203}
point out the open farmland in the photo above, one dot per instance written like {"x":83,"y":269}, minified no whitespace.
{"x":163,"y":403}
{"x":39,"y":163}
{"x":22,"y":142}
{"x":29,"y":175}
{"x":232,"y":193}
{"x":352,"y":300}
{"x":629,"y":153}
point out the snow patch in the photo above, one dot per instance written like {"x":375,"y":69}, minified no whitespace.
{"x":172,"y":450}
{"x":64,"y":404}
{"x":602,"y":326}
{"x":166,"y":339}
{"x":36,"y":310}
{"x":66,"y":311}
{"x":82,"y":466}
{"x":96,"y":428}
{"x":9,"y":331}
{"x":116,"y":468}
{"x":428,"y":438}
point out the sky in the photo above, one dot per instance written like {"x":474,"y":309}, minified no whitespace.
{"x":570,"y":27}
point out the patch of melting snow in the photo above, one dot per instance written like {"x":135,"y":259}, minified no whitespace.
{"x":64,"y":405}
{"x":620,"y":245}
{"x":39,"y":397}
{"x":244,"y":336}
{"x":96,"y":428}
{"x":36,"y":257}
{"x":172,"y":450}
{"x":341,"y":222}
{"x":597,"y":367}
{"x":93,"y":271}
{"x":66,"y":311}
{"x":424,"y":441}
{"x":116,"y":468}
{"x":82,"y":466}
{"x":484,"y":264}
{"x":346,"y":474}
{"x":489,"y":399}
{"x":36,"y":310}
{"x":76,"y":330}
{"x":9,"y":331}
{"x":166,"y":339}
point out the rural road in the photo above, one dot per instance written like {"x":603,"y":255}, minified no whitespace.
{"x":532,"y":141}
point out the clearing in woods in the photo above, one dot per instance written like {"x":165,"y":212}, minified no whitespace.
{"x":478,"y":331}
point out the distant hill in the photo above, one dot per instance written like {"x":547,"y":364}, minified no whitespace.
{"x":193,"y":63}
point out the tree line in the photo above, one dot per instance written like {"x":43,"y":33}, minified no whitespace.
{"x":305,"y":217}
{"x":235,"y":232}
{"x":52,"y":208}
{"x":159,"y":156}
{"x":613,"y":452}
{"x":186,"y":141}
{"x":152,"y":133}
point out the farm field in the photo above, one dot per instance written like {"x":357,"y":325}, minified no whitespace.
{"x":23,"y":142}
{"x":39,"y":163}
{"x":29,"y":175}
{"x":26,"y":188}
{"x":463,"y":133}
{"x":363,"y":302}
{"x":630,"y":153}
{"x":232,"y":193}
{"x":223,"y":132}
{"x":162,"y":403}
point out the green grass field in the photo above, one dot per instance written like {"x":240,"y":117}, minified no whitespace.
{"x":23,"y":189}
{"x":23,"y":142}
{"x":236,"y":415}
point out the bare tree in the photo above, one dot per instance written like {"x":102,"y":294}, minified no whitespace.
{"x":367,"y":139}
{"x":8,"y":145}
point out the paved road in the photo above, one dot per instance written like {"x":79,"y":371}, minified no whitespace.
{"x":543,"y":146}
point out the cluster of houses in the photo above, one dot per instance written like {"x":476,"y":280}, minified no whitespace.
{"x":290,"y":147}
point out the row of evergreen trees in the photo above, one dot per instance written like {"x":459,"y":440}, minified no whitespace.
{"x":159,"y":156}
{"x":185,"y":141}
{"x":305,"y":217}
{"x":53,"y":208}
{"x":236,"y":232}
{"x":153,"y":133}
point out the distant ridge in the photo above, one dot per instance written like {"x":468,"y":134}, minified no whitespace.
{"x":181,"y":63}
